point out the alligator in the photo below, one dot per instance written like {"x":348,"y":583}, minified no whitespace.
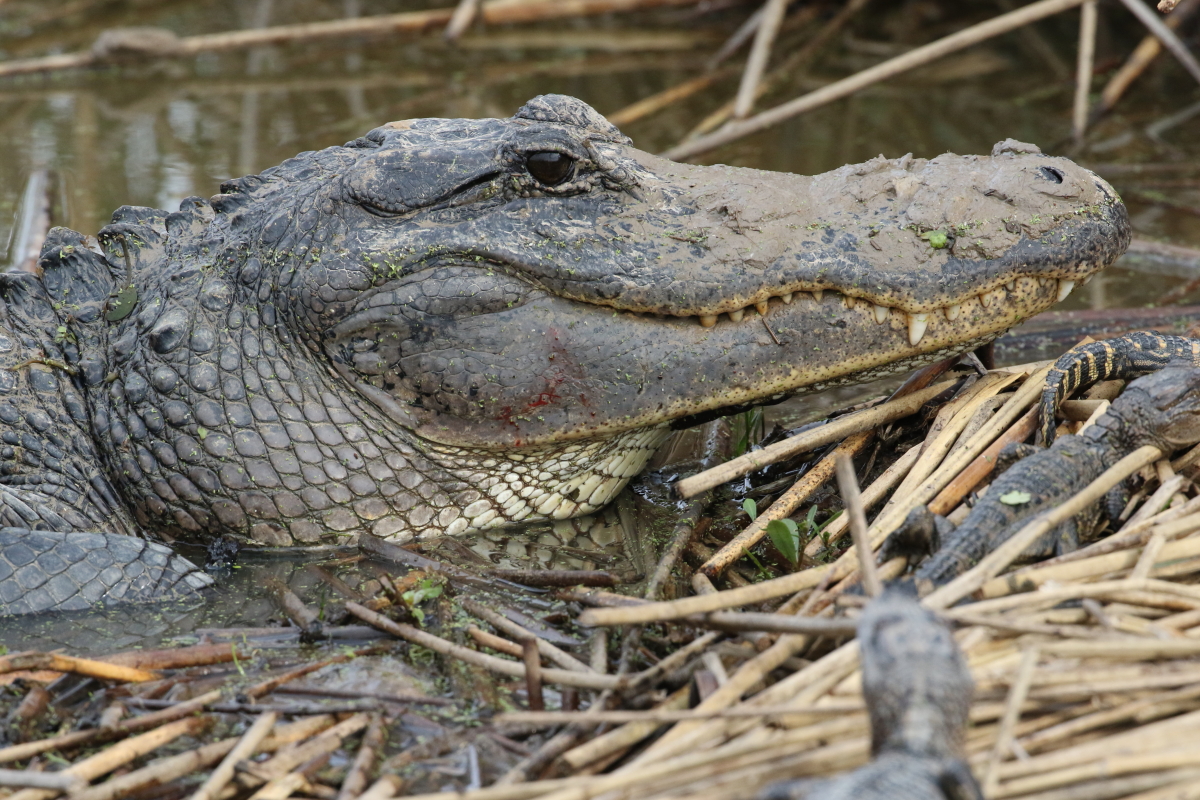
{"x":452,"y":325}
{"x":918,"y":692}
{"x":1161,"y":408}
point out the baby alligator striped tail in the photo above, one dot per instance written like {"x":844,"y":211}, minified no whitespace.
{"x":1127,"y":356}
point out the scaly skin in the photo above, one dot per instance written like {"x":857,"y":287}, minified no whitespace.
{"x":918,"y":693}
{"x":1161,"y":409}
{"x":426,"y":332}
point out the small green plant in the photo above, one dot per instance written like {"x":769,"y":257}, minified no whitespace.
{"x":785,"y":535}
{"x":426,"y":589}
{"x":1015,"y":498}
{"x":937,"y":239}
{"x":749,"y":431}
{"x":751,"y":508}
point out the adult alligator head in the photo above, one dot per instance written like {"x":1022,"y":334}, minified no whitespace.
{"x":449,"y":325}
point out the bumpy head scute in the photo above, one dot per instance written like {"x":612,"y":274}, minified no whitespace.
{"x":560,"y":109}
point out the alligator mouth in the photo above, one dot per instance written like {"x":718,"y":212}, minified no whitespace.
{"x":917,"y":321}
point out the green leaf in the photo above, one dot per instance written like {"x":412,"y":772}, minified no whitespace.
{"x":937,"y":239}
{"x":122,"y":305}
{"x":785,"y":535}
{"x":201,"y":431}
{"x":1015,"y":498}
{"x":751,"y":508}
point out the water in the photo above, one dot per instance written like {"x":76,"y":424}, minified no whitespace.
{"x":152,"y":134}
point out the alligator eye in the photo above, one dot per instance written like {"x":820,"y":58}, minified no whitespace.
{"x":1052,"y":174}
{"x":550,"y":168}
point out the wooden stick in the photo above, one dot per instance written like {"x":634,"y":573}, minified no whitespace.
{"x":583,"y":680}
{"x":626,"y":736}
{"x":659,"y":717}
{"x":1148,"y":558}
{"x":20,"y":752}
{"x":497,"y":643}
{"x":1164,"y":34}
{"x":245,"y":747}
{"x":1001,"y":557}
{"x":871,"y":496}
{"x":385,"y":788}
{"x":838,"y":429}
{"x":533,"y":674}
{"x":356,"y":777}
{"x":80,"y":666}
{"x":983,"y":465}
{"x":464,"y":15}
{"x":121,"y":753}
{"x":1142,"y":57}
{"x":165,"y":770}
{"x":788,"y":502}
{"x":848,"y":484}
{"x":519,"y":632}
{"x":252,"y":774}
{"x":656,"y":102}
{"x":56,"y":781}
{"x":768,"y":28}
{"x":868,"y":77}
{"x":1012,"y":713}
{"x":271,"y":684}
{"x":1184,"y":551}
{"x":776,"y":623}
{"x":1083,"y":68}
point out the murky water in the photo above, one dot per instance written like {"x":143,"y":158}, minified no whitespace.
{"x":77,"y":145}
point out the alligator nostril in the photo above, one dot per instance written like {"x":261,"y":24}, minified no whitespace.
{"x":1052,"y":174}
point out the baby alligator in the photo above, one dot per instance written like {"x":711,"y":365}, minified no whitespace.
{"x":1160,"y":409}
{"x":918,"y":693}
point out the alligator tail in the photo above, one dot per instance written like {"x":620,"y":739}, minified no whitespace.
{"x":1124,"y":357}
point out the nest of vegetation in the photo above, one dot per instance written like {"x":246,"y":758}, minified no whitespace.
{"x":1086,"y":667}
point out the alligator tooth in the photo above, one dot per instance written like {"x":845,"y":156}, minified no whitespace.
{"x":917,"y":323}
{"x":708,"y":320}
{"x":1011,"y":286}
{"x":1064,"y":289}
{"x":786,"y":298}
{"x":985,"y":299}
{"x":848,"y":301}
{"x":818,"y":294}
{"x":881,"y":312}
{"x":762,"y":307}
{"x":736,"y":316}
{"x":952,"y":312}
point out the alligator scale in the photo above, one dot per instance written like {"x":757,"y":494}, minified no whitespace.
{"x":451,"y":325}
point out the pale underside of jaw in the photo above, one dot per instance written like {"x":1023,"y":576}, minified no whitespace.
{"x":918,"y":322}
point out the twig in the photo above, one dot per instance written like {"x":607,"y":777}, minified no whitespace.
{"x":659,"y":717}
{"x":871,"y":497}
{"x":1142,"y":56}
{"x":20,"y":752}
{"x":295,"y":609}
{"x":555,"y":577}
{"x":583,"y":680}
{"x":464,"y":15}
{"x":831,"y":432}
{"x":768,"y":28}
{"x":983,"y":465}
{"x":245,"y":747}
{"x":1012,"y":712}
{"x":776,"y":623}
{"x":356,"y":777}
{"x":848,"y":484}
{"x":1164,"y":34}
{"x":496,"y":12}
{"x":888,"y":69}
{"x":533,"y":674}
{"x":80,"y":666}
{"x":121,"y":753}
{"x":787,"y":503}
{"x":56,"y":781}
{"x":1083,"y":68}
{"x":520,"y":633}
{"x":165,"y":770}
